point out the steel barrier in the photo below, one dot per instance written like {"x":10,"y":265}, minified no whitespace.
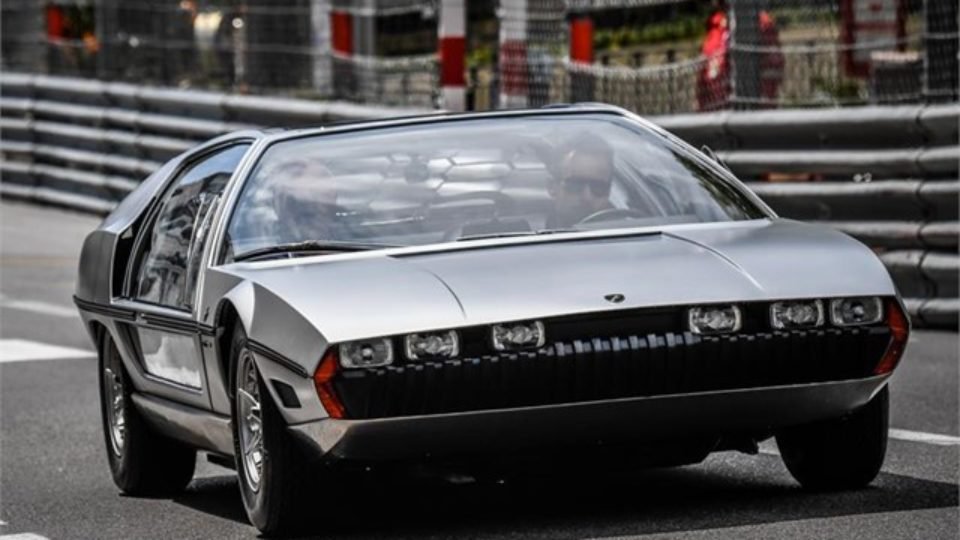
{"x":885,"y":175}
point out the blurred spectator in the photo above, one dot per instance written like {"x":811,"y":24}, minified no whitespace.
{"x":713,"y":84}
{"x":182,"y":40}
{"x":71,"y":37}
{"x":228,"y":46}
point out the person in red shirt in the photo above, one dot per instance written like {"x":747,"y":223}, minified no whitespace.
{"x":713,"y":83}
{"x":771,"y":61}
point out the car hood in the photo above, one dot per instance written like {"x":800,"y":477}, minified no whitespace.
{"x":381,"y":294}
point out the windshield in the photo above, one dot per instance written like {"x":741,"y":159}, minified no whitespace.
{"x":467,"y":179}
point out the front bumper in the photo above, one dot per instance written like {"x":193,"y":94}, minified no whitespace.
{"x":614,"y":421}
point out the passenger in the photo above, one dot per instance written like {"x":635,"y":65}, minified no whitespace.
{"x":305,"y":201}
{"x":585,"y":179}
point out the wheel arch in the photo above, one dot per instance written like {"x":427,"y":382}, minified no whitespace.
{"x":97,"y":331}
{"x":237,"y":308}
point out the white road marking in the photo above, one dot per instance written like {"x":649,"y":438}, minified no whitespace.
{"x":21,"y":350}
{"x":39,"y":307}
{"x":22,"y":536}
{"x":769,"y":447}
{"x":921,"y":437}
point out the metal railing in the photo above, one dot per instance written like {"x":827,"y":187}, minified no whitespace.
{"x":885,"y":175}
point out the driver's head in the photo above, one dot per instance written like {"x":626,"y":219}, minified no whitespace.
{"x":585,"y":179}
{"x":305,"y":199}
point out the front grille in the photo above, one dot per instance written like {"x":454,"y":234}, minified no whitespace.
{"x":610,"y":368}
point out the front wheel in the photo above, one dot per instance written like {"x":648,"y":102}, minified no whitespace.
{"x":142,"y":461}
{"x":845,"y":453}
{"x":271,"y":467}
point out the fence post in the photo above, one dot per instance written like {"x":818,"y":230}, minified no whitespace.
{"x":341,"y":43}
{"x":940,"y":51}
{"x":320,"y":43}
{"x":366,"y":75}
{"x":581,"y":52}
{"x":453,"y":50}
{"x":514,"y":85}
{"x":745,"y":62}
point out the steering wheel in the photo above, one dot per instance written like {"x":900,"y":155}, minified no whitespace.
{"x":502,"y":205}
{"x":610,"y":214}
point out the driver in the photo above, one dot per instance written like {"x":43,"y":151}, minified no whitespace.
{"x":305,"y":201}
{"x":585,"y":179}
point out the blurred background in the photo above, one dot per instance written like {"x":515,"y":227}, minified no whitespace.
{"x":651,"y":56}
{"x":839,"y":112}
{"x":842,"y":112}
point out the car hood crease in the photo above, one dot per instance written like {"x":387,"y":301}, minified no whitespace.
{"x":387,"y":295}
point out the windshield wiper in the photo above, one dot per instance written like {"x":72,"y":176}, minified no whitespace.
{"x":514,"y":234}
{"x":307,"y":246}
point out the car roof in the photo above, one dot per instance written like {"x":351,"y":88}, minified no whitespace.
{"x":275,"y":134}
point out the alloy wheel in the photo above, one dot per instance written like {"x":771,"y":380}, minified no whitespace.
{"x":250,"y":420}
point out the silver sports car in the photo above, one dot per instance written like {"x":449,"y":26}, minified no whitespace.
{"x":566,"y":279}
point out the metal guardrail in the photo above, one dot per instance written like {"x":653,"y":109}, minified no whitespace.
{"x":85,"y":144}
{"x":885,"y":175}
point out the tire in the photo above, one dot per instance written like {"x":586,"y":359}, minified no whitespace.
{"x":846,"y":453}
{"x":142,"y":462}
{"x":275,"y":493}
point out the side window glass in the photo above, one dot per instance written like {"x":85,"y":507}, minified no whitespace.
{"x":170,"y":262}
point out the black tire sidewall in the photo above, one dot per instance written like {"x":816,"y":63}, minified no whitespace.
{"x":846,"y":453}
{"x":119,"y":465}
{"x":263,"y":506}
{"x":149,"y":463}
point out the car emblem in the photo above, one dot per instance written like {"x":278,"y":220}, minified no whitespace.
{"x":614,"y":298}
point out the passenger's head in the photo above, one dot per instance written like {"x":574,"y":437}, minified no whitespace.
{"x":304,"y":198}
{"x":585,"y":179}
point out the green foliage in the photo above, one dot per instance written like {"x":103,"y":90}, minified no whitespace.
{"x":841,"y":90}
{"x":481,"y":56}
{"x":679,"y":29}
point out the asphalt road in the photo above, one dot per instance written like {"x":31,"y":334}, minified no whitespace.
{"x":54,"y":481}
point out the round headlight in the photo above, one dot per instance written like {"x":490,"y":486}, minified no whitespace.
{"x":366,"y":353}
{"x":856,"y":311}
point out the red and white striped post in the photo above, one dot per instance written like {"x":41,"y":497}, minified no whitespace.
{"x":581,"y":52}
{"x":453,"y":51}
{"x":341,"y":44}
{"x":514,"y":82}
{"x":341,"y":32}
{"x":581,"y":39}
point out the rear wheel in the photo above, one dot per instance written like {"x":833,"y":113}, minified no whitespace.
{"x":846,"y":453}
{"x":270,"y":465}
{"x":142,"y":461}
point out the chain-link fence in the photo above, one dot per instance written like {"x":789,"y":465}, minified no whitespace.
{"x":387,"y":49}
{"x":774,"y":53}
{"x":651,"y":56}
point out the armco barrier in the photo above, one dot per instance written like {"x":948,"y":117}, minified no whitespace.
{"x":885,"y":175}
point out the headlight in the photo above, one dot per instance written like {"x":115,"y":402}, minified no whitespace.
{"x":714,"y":320}
{"x":366,"y":353}
{"x":796,"y":314}
{"x":518,"y":335}
{"x":432,"y":345}
{"x":856,"y":311}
